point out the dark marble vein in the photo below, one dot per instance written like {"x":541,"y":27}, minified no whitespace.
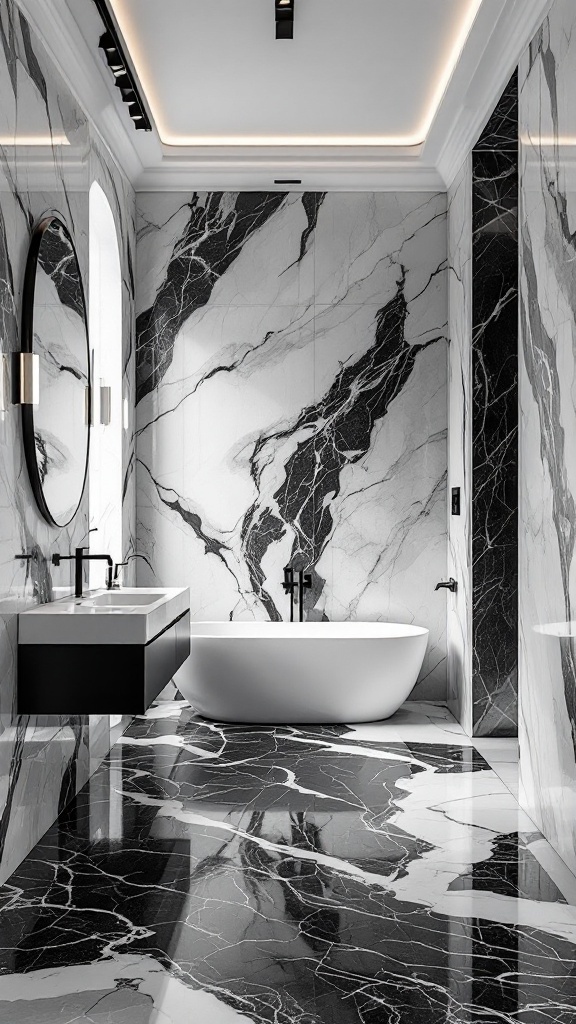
{"x":213,"y":238}
{"x":32,"y":66}
{"x":339,"y":431}
{"x":59,"y":262}
{"x":8,"y":40}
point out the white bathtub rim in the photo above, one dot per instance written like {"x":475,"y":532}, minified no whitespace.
{"x":332,"y":631}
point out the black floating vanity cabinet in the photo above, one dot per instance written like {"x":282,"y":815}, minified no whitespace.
{"x":106,"y":653}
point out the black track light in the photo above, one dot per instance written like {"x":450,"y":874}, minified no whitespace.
{"x":124,"y":79}
{"x":107,"y":42}
{"x":136,"y":114}
{"x":284,"y":19}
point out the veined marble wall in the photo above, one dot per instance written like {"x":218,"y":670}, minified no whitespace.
{"x":495,"y":422}
{"x":42,"y":762}
{"x":291,"y":387}
{"x":483,"y":449}
{"x":548,"y":430}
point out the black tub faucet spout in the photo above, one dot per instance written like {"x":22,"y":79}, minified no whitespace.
{"x":296,"y":589}
{"x":451,"y":584}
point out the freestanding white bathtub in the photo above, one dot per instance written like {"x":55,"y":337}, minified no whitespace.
{"x":284,"y":672}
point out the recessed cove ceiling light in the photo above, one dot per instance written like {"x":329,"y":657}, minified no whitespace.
{"x":33,"y":140}
{"x":259,"y":94}
{"x":548,"y":140}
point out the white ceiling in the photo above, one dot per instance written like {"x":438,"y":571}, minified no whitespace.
{"x":369,"y":95}
{"x":357,"y":72}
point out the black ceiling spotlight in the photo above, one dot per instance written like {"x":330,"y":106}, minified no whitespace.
{"x":120,"y":68}
{"x":284,"y":19}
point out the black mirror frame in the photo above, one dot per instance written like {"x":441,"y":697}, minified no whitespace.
{"x":27,"y":346}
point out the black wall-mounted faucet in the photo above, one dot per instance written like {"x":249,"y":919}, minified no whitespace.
{"x":450,"y":585}
{"x":292,"y":586}
{"x":118,"y":566}
{"x":79,"y":558}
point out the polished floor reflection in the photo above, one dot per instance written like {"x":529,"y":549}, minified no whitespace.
{"x":381,"y":873}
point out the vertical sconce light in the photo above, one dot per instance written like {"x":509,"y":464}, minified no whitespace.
{"x":105,"y":405}
{"x":26,"y":378}
{"x":284,"y":19}
{"x":4,"y":394}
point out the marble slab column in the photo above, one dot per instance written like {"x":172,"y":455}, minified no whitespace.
{"x":483,"y":428}
{"x":494,"y":395}
{"x":548,"y":430}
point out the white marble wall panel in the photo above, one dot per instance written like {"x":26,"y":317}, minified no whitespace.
{"x":460,"y":444}
{"x":291,"y":386}
{"x":42,"y":763}
{"x":548,"y":430}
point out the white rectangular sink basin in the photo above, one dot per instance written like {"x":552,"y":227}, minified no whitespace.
{"x":134,"y":615}
{"x":115,"y":599}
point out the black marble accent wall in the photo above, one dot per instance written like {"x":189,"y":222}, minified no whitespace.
{"x":494,"y":394}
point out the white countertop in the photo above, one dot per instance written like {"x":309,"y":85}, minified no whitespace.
{"x":97,"y":619}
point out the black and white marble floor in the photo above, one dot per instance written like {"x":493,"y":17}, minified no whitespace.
{"x":380,"y":873}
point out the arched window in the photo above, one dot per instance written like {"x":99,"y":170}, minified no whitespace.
{"x":105,"y":324}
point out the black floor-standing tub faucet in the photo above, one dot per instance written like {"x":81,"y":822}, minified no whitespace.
{"x":293,"y":587}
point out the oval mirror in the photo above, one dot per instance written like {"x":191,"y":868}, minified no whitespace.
{"x":54,"y":327}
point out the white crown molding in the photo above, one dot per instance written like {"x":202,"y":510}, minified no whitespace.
{"x":512,"y":33}
{"x":316,"y":175}
{"x":88,"y":78}
{"x":319,"y":168}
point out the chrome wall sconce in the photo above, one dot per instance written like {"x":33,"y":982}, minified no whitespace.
{"x":124,"y":78}
{"x":105,"y":405}
{"x":26,"y":378}
{"x":4,"y":386}
{"x":284,"y":19}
